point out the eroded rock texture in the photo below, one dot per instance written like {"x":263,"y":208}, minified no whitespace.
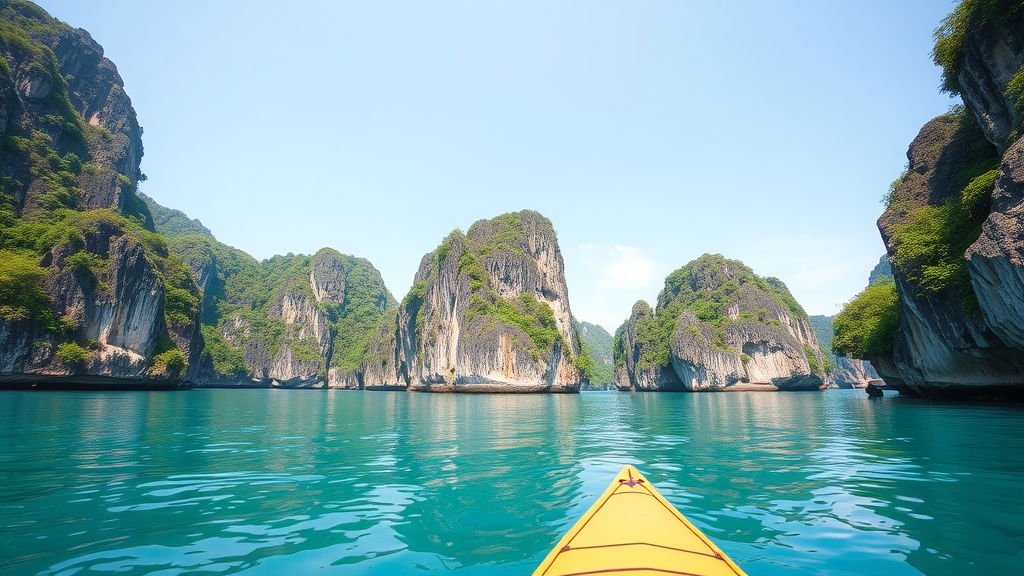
{"x":115,"y":306}
{"x":488,"y":312}
{"x":960,"y":330}
{"x":719,"y":326}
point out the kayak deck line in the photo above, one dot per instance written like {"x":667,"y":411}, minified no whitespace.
{"x":567,"y":548}
{"x":623,"y":534}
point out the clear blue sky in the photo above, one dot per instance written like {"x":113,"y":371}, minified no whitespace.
{"x":649,"y":132}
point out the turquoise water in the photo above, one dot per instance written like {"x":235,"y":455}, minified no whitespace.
{"x":293,"y":482}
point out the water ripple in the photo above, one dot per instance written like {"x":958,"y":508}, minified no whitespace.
{"x":273,"y":482}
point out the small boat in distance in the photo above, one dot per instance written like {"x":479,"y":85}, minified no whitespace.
{"x":632,"y":529}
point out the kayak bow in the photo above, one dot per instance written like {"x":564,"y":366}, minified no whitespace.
{"x":632,"y":529}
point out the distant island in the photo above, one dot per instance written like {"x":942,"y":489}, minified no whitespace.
{"x":719,"y":326}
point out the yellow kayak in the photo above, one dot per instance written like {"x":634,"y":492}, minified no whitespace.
{"x":632,"y":529}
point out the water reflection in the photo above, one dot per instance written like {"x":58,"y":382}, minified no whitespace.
{"x":273,"y":481}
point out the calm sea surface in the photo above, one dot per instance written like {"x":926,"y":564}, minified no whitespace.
{"x":295,"y":482}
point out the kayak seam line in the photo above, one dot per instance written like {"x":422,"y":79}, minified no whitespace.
{"x":569,"y":543}
{"x":693,"y":529}
{"x":668,"y":506}
{"x":572,"y":548}
{"x":610,"y":570}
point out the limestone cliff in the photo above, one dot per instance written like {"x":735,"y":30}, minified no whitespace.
{"x":953,"y":232}
{"x":881,"y":270}
{"x":291,"y":321}
{"x":718,"y":326}
{"x":995,"y":260}
{"x":853,"y":372}
{"x":88,"y":293}
{"x":636,"y":366}
{"x":488,"y":312}
{"x":953,"y":228}
{"x":960,"y":299}
{"x":58,"y":90}
{"x":980,"y":47}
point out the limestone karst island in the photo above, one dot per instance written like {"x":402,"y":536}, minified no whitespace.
{"x":187,"y":398}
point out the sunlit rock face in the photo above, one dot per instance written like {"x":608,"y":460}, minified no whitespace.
{"x":961,"y":339}
{"x":70,"y":164}
{"x":719,"y":326}
{"x":488,"y":312}
{"x":853,"y":373}
{"x":320,"y":313}
{"x":992,"y":56}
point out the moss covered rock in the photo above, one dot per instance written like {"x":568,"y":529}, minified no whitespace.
{"x":719,"y":326}
{"x":488,"y":312}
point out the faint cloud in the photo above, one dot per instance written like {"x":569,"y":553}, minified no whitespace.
{"x":620,"y":267}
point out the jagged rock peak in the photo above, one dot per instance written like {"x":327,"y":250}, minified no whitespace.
{"x":881,"y":270}
{"x":719,"y":326}
{"x":60,"y":92}
{"x":488,"y":311}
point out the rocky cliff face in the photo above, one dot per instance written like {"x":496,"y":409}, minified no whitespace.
{"x":488,"y":312}
{"x":719,"y":326}
{"x":91,"y":294}
{"x":58,"y":87}
{"x":635,"y":365}
{"x":88,"y":293}
{"x":311,"y":331}
{"x":291,"y":321}
{"x":853,"y":373}
{"x":992,"y":57}
{"x":112,"y":327}
{"x":960,"y":296}
{"x":960,"y":305}
{"x":995,"y":260}
{"x":953,"y":224}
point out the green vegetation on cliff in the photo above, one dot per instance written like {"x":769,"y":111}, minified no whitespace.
{"x":526,"y":313}
{"x":20,"y":24}
{"x":823,"y":330}
{"x":707,"y":287}
{"x":173,"y":223}
{"x":968,"y":16}
{"x":498,"y":237}
{"x":596,"y":343}
{"x":866,"y":327}
{"x":242,"y":291}
{"x":49,"y":225}
{"x":58,"y":228}
{"x":928,"y":245}
{"x":21,"y":293}
{"x":354,"y":323}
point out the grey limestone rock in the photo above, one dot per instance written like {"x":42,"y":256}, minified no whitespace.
{"x":488,"y":312}
{"x":947,"y":345}
{"x":718,"y":326}
{"x":996,"y":259}
{"x":992,"y":55}
{"x":853,"y":372}
{"x":123,"y":318}
{"x":292,"y":341}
